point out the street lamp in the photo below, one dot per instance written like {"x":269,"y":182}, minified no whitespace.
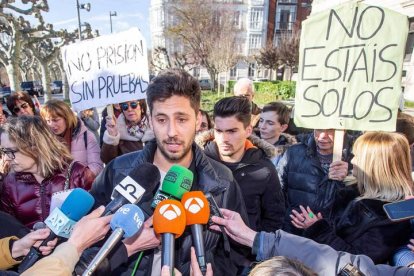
{"x":110,"y":18}
{"x":86,"y":7}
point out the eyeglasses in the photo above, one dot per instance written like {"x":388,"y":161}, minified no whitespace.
{"x":125,"y":106}
{"x":9,"y":152}
{"x":16,"y":109}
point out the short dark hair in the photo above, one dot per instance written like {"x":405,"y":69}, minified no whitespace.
{"x":19,"y":96}
{"x":238,"y":106}
{"x":282,"y":110}
{"x":174,"y":82}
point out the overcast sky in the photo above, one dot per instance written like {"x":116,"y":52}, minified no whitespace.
{"x":130,"y":13}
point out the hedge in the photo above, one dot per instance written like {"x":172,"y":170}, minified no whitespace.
{"x":280,"y":90}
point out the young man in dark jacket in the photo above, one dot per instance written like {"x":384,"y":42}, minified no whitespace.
{"x":252,"y":168}
{"x":173,"y":99}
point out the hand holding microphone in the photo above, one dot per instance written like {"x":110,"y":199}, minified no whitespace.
{"x":61,"y":222}
{"x":197,"y":212}
{"x":89,"y":230}
{"x":126,"y":222}
{"x":169,"y":222}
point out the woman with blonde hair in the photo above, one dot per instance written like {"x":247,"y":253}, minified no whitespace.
{"x":382,"y":167}
{"x":70,"y":130}
{"x":39,"y":166}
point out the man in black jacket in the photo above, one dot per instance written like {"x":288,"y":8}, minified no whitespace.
{"x":250,"y":164}
{"x":309,"y":177}
{"x":173,"y":99}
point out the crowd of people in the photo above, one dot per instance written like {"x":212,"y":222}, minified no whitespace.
{"x":284,"y":201}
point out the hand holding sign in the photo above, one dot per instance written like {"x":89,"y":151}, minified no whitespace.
{"x":111,"y":125}
{"x":338,"y":170}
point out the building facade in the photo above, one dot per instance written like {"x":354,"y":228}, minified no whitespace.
{"x":261,"y":22}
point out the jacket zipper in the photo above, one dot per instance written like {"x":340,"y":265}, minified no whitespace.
{"x":42,"y":200}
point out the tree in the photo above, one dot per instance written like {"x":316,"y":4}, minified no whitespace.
{"x":207,"y":34}
{"x":289,"y":53}
{"x":161,"y":60}
{"x":13,"y":33}
{"x":269,"y":58}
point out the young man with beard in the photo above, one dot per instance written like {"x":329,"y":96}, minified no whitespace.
{"x":173,"y":98}
{"x":247,"y":157}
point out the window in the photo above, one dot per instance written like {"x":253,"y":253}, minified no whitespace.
{"x":256,"y":18}
{"x":255,"y":42}
{"x":252,"y":68}
{"x":196,"y":72}
{"x":285,"y":17}
{"x":233,"y":72}
{"x":236,"y":19}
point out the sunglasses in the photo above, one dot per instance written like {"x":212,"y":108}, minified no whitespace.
{"x":10,"y":153}
{"x":17,"y":109}
{"x":125,"y":106}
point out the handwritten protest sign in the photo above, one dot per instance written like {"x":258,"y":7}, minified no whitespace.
{"x":350,"y":68}
{"x":105,"y":70}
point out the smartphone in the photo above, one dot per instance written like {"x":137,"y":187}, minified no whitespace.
{"x":401,"y":210}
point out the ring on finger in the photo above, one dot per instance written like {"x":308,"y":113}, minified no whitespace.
{"x":304,"y":219}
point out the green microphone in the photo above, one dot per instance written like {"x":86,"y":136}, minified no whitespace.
{"x":177,"y":182}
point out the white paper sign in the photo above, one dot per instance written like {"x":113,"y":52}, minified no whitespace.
{"x":107,"y":69}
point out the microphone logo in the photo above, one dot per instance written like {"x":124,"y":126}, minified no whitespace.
{"x":170,"y":211}
{"x":194,"y":205}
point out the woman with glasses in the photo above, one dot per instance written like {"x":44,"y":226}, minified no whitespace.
{"x":70,"y":130}
{"x":38,"y":168}
{"x":20,"y":103}
{"x":128,"y":132}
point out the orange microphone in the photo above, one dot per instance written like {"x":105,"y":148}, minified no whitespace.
{"x":197,"y":212}
{"x":169,"y":222}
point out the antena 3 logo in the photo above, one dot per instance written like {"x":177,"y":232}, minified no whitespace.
{"x":194,"y":205}
{"x":170,"y":211}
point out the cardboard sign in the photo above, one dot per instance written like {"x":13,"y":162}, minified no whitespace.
{"x":350,"y":68}
{"x":106,"y":70}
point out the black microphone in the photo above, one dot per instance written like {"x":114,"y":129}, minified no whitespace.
{"x":145,"y":177}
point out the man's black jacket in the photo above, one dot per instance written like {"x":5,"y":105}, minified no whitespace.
{"x":209,"y":176}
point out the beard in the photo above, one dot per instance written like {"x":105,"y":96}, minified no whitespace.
{"x":176,"y":156}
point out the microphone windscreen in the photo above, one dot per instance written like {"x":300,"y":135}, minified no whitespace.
{"x":130,"y":218}
{"x":169,"y":217}
{"x":147,"y":175}
{"x":78,"y":203}
{"x":197,"y":209}
{"x":177,"y":181}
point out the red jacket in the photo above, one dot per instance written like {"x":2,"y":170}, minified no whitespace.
{"x":29,"y":201}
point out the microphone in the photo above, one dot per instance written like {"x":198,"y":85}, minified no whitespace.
{"x":126,"y":222}
{"x":169,"y":222}
{"x":144,"y":177}
{"x":61,"y":222}
{"x":177,"y":182}
{"x":197,"y":213}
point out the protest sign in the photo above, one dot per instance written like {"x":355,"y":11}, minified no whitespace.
{"x":350,"y":68}
{"x":107,"y":69}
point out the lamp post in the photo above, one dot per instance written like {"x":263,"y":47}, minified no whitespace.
{"x":110,"y":18}
{"x":87,"y":7}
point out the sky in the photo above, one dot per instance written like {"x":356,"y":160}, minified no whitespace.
{"x":130,"y":13}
